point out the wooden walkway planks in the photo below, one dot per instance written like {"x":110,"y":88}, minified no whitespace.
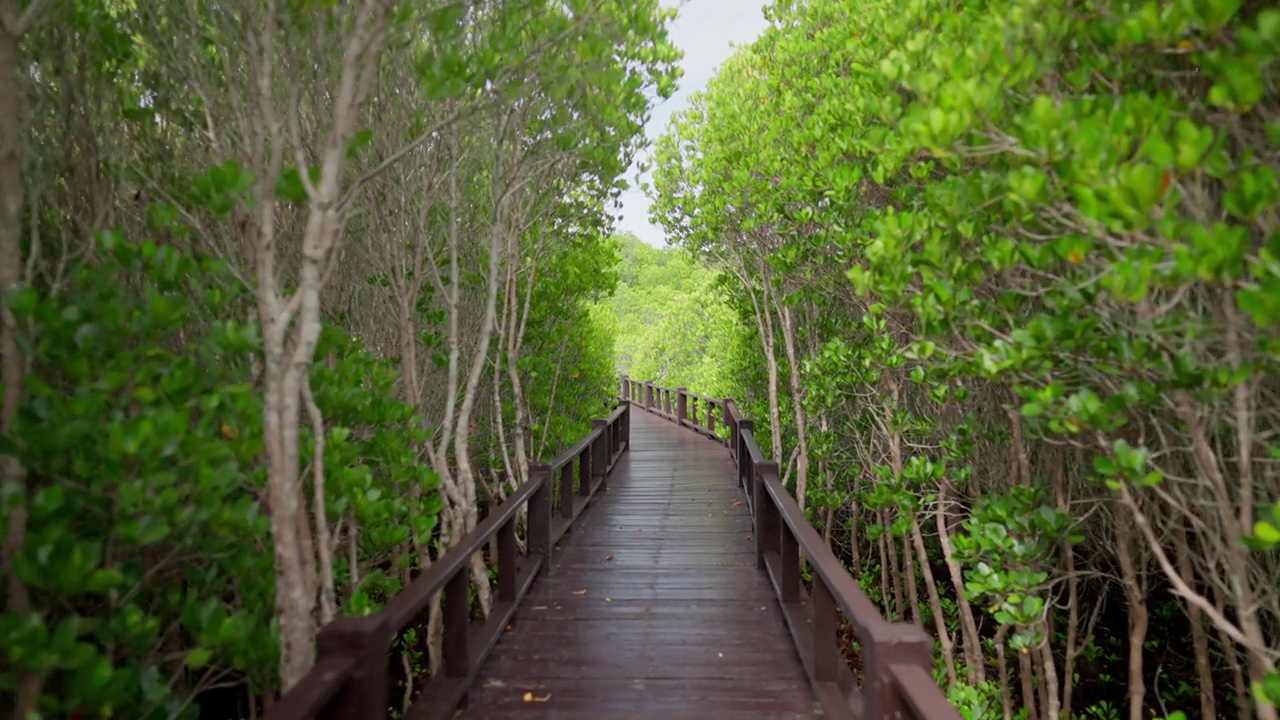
{"x":676,"y":621}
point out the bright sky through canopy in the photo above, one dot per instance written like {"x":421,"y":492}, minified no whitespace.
{"x":706,"y":31}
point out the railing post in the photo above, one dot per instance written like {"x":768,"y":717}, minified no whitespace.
{"x":626,"y":387}
{"x":825,"y":653}
{"x":624,"y":433}
{"x":602,"y":451}
{"x":883,"y":645}
{"x":789,"y":583}
{"x":586,"y":467}
{"x":457,"y":616}
{"x":766,"y":513}
{"x":566,"y":491}
{"x":724,"y":412}
{"x":744,"y":457}
{"x":540,"y":515}
{"x":508,"y":553}
{"x":365,"y":639}
{"x":682,"y":405}
{"x":648,"y":394}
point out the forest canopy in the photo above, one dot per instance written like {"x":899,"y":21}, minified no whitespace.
{"x":292,"y":293}
{"x":1010,"y":273}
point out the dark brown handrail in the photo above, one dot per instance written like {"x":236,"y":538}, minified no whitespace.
{"x":351,"y":678}
{"x":896,"y":658}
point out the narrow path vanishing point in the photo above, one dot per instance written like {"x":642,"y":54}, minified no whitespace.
{"x":653,"y":607}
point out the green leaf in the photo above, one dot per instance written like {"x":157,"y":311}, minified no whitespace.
{"x":1266,"y":532}
{"x":199,"y":657}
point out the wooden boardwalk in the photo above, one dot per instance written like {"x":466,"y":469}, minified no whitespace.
{"x":653,"y":606}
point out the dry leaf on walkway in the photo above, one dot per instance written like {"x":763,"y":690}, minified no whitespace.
{"x":608,"y":558}
{"x":608,"y":599}
{"x":737,"y":502}
{"x":583,"y":591}
{"x":530,"y":697}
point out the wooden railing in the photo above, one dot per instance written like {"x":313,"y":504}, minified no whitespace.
{"x":895,"y":658}
{"x":351,"y":679}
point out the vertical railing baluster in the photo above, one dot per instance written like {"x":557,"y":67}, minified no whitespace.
{"x":825,"y":652}
{"x":682,"y":405}
{"x":602,"y":450}
{"x":766,"y":513}
{"x":584,"y":468}
{"x":744,"y":457}
{"x":366,"y":640}
{"x":624,"y":435}
{"x":883,"y":645}
{"x":789,"y":583}
{"x":540,"y":514}
{"x":566,"y":490}
{"x":508,"y":553}
{"x":457,"y":612}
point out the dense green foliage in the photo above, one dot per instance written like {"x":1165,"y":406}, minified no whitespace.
{"x":1017,"y":265}
{"x":671,"y":323}
{"x":292,"y":294}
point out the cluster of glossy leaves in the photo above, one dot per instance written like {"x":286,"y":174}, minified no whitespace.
{"x":146,"y":548}
{"x":1008,"y":545}
{"x":1070,"y":204}
{"x":148,"y":552}
{"x":569,"y":343}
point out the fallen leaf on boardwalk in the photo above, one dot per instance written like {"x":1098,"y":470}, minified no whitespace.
{"x":530,"y":697}
{"x":720,"y":654}
{"x":737,"y":502}
{"x":608,"y":558}
{"x":608,"y":599}
{"x":539,"y":607}
{"x":748,"y":538}
{"x":583,"y":591}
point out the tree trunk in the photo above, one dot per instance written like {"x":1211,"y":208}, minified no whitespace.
{"x":1133,"y":577}
{"x":975,"y":662}
{"x":12,"y":363}
{"x":935,"y":604}
{"x":1057,"y":472}
{"x":1025,"y":675}
{"x":1199,"y":639}
{"x":1049,"y":672}
{"x":797,"y":404}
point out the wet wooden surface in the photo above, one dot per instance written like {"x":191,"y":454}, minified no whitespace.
{"x":653,"y":607}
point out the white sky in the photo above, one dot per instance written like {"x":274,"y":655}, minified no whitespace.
{"x":705,"y":30}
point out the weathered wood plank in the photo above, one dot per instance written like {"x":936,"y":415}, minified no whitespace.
{"x":675,"y":621}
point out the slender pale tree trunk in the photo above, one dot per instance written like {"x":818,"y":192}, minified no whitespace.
{"x":974,"y":660}
{"x":1133,"y":578}
{"x":13,"y":24}
{"x":1199,"y":639}
{"x":797,"y":403}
